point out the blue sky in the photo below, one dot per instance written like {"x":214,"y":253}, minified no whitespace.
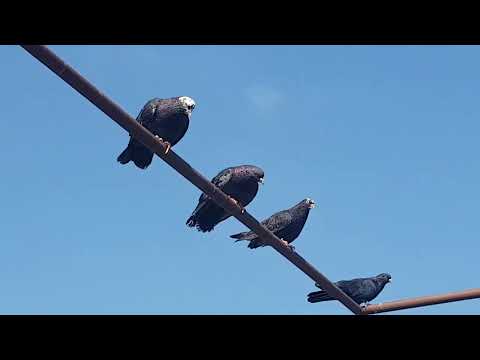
{"x":383,"y":138}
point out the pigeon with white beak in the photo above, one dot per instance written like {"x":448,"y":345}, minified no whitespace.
{"x":167,"y":119}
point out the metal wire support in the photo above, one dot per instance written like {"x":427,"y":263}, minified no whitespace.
{"x":117,"y":114}
{"x":422,"y":301}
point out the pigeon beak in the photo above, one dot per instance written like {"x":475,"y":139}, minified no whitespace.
{"x":390,"y":280}
{"x":261,"y":181}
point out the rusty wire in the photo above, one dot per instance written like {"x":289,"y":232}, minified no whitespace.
{"x":422,"y":301}
{"x":117,"y":114}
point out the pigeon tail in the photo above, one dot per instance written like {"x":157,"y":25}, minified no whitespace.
{"x":256,"y":243}
{"x":248,"y":235}
{"x":203,"y":227}
{"x":318,"y":296}
{"x":139,"y":154}
{"x":238,"y":236}
{"x":205,"y":217}
{"x":125,"y":156}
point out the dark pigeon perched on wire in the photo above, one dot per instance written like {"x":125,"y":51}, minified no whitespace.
{"x":240,"y":183}
{"x":168,"y":119}
{"x":286,"y":225}
{"x":361,"y":290}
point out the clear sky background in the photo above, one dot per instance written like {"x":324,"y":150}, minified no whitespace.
{"x":383,"y":138}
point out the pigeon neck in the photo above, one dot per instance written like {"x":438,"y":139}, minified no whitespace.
{"x":380,"y":284}
{"x":301,"y":208}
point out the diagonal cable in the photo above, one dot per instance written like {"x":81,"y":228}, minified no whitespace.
{"x":117,"y":114}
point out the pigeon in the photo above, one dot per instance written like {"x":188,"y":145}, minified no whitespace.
{"x":360,"y":290}
{"x":167,"y":119}
{"x":286,"y":224}
{"x":240,"y":183}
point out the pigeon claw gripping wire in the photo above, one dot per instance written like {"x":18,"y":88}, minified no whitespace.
{"x":291,"y":247}
{"x":236,"y":203}
{"x":168,"y":145}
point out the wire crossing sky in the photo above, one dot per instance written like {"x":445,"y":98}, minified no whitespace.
{"x":59,"y":217}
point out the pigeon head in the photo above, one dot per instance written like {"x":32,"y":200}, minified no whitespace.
{"x":255,"y":172}
{"x":384,"y":277}
{"x":310,"y":203}
{"x":187,"y":104}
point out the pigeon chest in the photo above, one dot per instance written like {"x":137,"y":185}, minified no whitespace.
{"x":171,"y":128}
{"x":293,"y":230}
{"x":243,"y":190}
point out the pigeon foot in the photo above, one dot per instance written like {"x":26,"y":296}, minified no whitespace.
{"x":236,"y":203}
{"x":166,"y":143}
